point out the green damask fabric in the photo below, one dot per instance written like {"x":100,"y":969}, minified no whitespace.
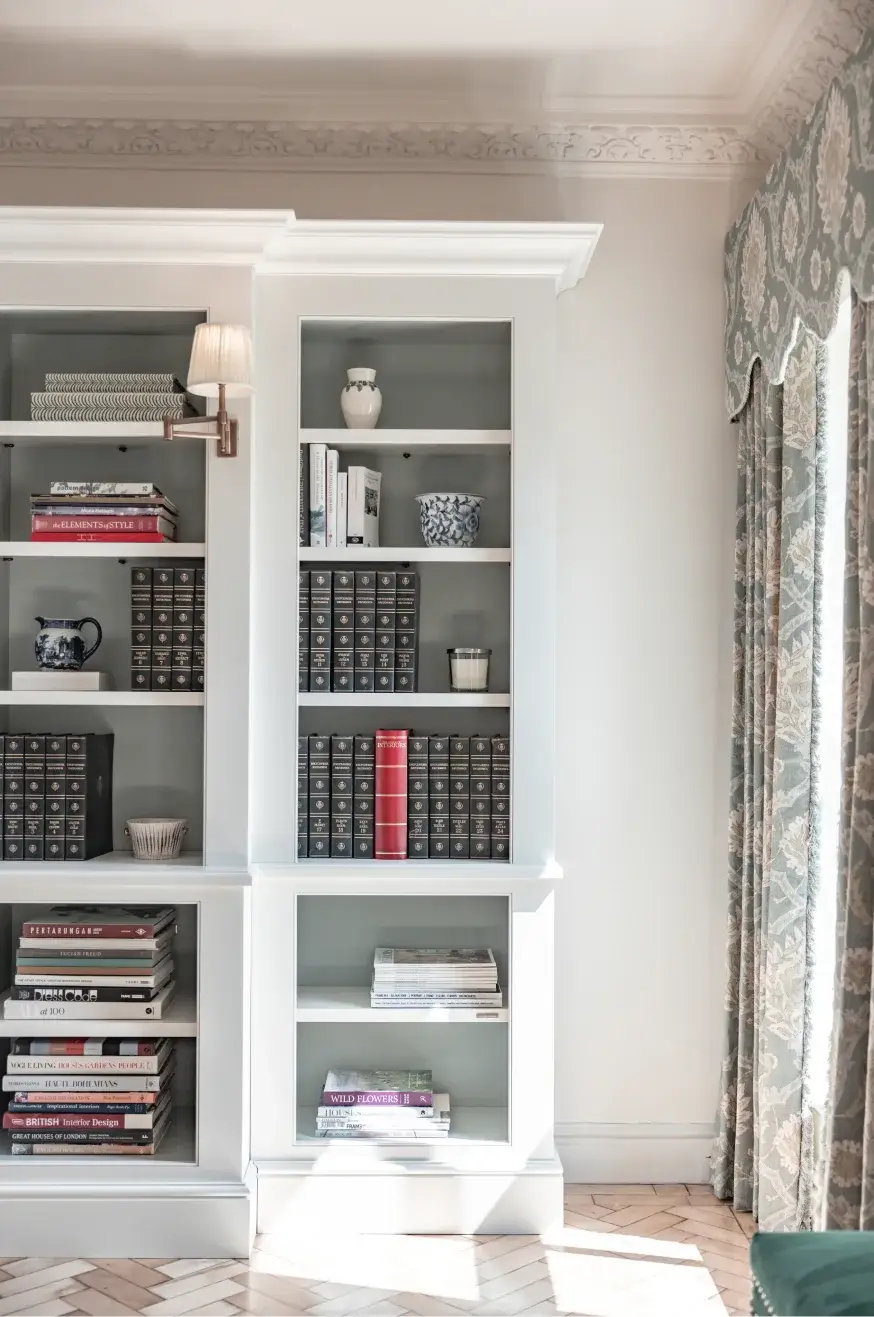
{"x":763,"y":1155}
{"x":850,"y":1175}
{"x":812,"y":217}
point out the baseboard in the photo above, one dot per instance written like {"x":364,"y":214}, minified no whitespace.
{"x":634,"y":1153}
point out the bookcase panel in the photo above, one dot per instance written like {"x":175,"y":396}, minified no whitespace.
{"x":443,"y":374}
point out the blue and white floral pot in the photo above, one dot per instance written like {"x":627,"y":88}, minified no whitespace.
{"x":361,"y":400}
{"x":449,"y":520}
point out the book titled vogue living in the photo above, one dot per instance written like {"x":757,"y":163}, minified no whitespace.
{"x":385,"y":1088}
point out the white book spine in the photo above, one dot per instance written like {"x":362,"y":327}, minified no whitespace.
{"x":331,"y":494}
{"x":363,"y":512}
{"x":39,"y":979}
{"x":318,"y":495}
{"x":78,"y":1082}
{"x":98,"y":1010}
{"x":342,"y":508}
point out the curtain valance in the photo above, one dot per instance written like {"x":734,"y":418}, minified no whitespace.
{"x":812,"y":217}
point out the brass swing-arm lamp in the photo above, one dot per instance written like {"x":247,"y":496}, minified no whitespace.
{"x":220,"y":367}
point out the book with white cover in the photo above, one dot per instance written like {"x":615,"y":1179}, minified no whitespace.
{"x":73,"y":1083}
{"x":27,"y":1064}
{"x":318,"y":495}
{"x":75,"y":1010}
{"x":331,"y":495}
{"x":61,"y":681}
{"x":362,"y":518}
{"x":342,"y":508}
{"x":393,"y":1122}
{"x":43,"y":978}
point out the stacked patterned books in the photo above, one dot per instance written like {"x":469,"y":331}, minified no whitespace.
{"x":96,"y":396}
{"x":100,"y":511}
{"x":410,"y":978}
{"x":105,"y":1096}
{"x":382,"y":1104}
{"x":94,"y":963}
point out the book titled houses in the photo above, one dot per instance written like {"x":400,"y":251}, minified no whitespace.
{"x":390,"y":832}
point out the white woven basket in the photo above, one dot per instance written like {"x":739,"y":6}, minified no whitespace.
{"x":156,"y":839}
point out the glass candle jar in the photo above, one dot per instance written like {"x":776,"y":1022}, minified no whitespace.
{"x":469,"y":669}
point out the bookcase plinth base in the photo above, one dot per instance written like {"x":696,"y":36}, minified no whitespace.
{"x":176,"y":1221}
{"x":408,"y":1199}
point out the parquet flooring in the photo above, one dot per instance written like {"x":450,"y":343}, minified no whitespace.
{"x":637,"y":1250}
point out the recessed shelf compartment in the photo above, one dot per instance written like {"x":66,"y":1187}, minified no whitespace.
{"x":103,"y":699}
{"x":404,"y":700}
{"x":117,"y":549}
{"x":316,"y":1005}
{"x":425,"y":443}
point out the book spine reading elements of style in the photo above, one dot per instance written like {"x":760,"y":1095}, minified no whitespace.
{"x":341,"y":797}
{"x":459,"y":797}
{"x":390,"y":833}
{"x":57,"y":797}
{"x":303,"y":631}
{"x":319,"y":847}
{"x":363,"y":803}
{"x":417,"y":797}
{"x":318,"y":495}
{"x":320,"y":631}
{"x":480,"y":797}
{"x":365,"y":629}
{"x":168,"y":628}
{"x":438,"y":797}
{"x":303,"y":796}
{"x":386,"y":621}
{"x":343,"y":633}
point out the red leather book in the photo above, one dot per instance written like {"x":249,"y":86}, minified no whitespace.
{"x":390,"y":811}
{"x":141,"y":525}
{"x":41,"y":537}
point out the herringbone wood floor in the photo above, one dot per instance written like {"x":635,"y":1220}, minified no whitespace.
{"x":625,"y":1251}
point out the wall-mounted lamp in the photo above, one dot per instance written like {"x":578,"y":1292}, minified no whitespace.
{"x":220,"y":367}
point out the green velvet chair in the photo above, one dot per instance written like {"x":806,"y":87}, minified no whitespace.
{"x":813,"y":1274}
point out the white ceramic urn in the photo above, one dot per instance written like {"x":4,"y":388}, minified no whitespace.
{"x":361,"y":399}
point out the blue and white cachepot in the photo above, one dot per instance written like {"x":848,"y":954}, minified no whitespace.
{"x":361,"y":400}
{"x":450,"y":520}
{"x":60,"y":645}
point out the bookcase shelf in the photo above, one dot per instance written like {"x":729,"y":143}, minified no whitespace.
{"x":416,"y":553}
{"x":93,"y":549}
{"x":80,"y":432}
{"x":404,"y":699}
{"x":352,"y":1006}
{"x":103,"y":699}
{"x":180,"y":1021}
{"x":427,"y":443}
{"x":178,"y":1148}
{"x":486,"y":1125}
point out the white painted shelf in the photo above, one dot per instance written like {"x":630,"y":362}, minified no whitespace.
{"x":178,"y":1147}
{"x":424,"y":442}
{"x":103,"y":699}
{"x":21,"y":881}
{"x":94,"y":549}
{"x":352,"y":1006}
{"x":180,"y":1021}
{"x":416,"y":553}
{"x":405,"y":699}
{"x":80,"y":432}
{"x":467,"y":1125}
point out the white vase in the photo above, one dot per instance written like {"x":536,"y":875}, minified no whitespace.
{"x":361,"y":400}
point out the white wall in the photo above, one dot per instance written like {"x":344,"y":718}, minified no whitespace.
{"x":645,"y":559}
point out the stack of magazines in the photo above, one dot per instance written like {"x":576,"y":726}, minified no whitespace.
{"x":412,"y":978}
{"x":103,"y":396}
{"x":382,"y":1104}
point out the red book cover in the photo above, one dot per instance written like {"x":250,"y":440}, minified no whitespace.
{"x":390,"y":811}
{"x":152,"y":525}
{"x":43,"y":537}
{"x":13,"y":1121}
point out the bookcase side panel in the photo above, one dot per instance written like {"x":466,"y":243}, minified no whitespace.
{"x":274,"y":1081}
{"x":223,"y":1034}
{"x":532,"y":1045}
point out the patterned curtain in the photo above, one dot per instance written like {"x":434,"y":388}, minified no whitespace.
{"x":763,"y":1156}
{"x":850,"y":1174}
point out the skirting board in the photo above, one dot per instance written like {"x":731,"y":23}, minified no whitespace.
{"x":66,"y":1223}
{"x":634,"y":1154}
{"x":293,"y":1196}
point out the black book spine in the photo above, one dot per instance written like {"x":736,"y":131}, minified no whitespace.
{"x":303,"y":631}
{"x":303,"y":796}
{"x":365,"y":630}
{"x":459,"y":797}
{"x":34,"y":797}
{"x":182,"y":631}
{"x":162,"y":629}
{"x":406,"y":632}
{"x":89,"y":796}
{"x":13,"y":798}
{"x":343,"y":633}
{"x":501,"y":804}
{"x":56,"y":797}
{"x":342,"y":791}
{"x":198,"y":658}
{"x":417,"y":797}
{"x":384,"y":648}
{"x":319,"y":843}
{"x":438,"y":798}
{"x":141,"y":628}
{"x":364,"y":796}
{"x":480,"y":797}
{"x":45,"y":992}
{"x":320,"y":631}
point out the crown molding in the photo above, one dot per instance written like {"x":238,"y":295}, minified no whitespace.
{"x":282,"y":146}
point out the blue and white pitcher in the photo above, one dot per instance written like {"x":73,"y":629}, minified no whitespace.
{"x":60,"y":645}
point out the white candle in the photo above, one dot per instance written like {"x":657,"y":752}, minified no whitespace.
{"x":469,"y":669}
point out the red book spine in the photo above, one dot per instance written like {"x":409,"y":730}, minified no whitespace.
{"x":390,"y":811}
{"x":43,"y":537}
{"x":96,"y":525}
{"x":57,"y":1122}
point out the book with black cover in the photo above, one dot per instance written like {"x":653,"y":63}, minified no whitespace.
{"x":303,"y":631}
{"x":363,"y":803}
{"x":341,"y":797}
{"x":417,"y":797}
{"x":319,"y":845}
{"x":303,"y":796}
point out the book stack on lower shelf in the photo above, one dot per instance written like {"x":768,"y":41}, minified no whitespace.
{"x":92,"y":963}
{"x":382,"y":1104}
{"x":412,"y":978}
{"x":97,"y":1096}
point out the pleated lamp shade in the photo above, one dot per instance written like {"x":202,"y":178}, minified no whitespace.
{"x":221,"y":354}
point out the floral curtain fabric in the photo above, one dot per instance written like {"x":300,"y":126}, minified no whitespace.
{"x":850,"y":1174}
{"x":812,"y":217}
{"x":763,"y":1156}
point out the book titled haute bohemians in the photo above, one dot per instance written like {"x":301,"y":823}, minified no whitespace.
{"x":390,"y":803}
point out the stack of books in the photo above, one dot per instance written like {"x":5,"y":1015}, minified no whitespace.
{"x":108,"y":396}
{"x":412,"y":978}
{"x":98,"y":1096}
{"x":168,"y":628}
{"x":343,"y":506}
{"x":57,"y":796}
{"x":357,"y":631}
{"x":117,"y":512}
{"x":94,"y":963}
{"x":382,"y":1104}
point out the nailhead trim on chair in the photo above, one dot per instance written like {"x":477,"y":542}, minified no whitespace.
{"x":769,"y":1307}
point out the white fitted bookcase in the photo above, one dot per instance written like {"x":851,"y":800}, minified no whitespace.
{"x":459,"y":322}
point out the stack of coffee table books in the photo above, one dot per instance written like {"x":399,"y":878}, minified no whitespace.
{"x":412,"y":978}
{"x":382,"y":1104}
